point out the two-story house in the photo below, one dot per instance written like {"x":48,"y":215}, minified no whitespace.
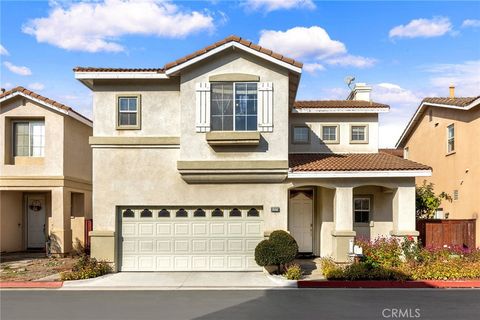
{"x":196,"y":162}
{"x":45,"y":173}
{"x":442,"y":134}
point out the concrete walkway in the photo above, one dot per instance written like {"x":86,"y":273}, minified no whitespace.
{"x":179,"y":280}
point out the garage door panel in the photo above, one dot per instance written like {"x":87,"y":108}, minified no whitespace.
{"x":235,"y":262}
{"x":129,"y":229}
{"x":146,"y":246}
{"x":200,"y":262}
{"x":200,"y":245}
{"x":164,"y":246}
{"x":181,"y":246}
{"x":164,"y":229}
{"x":199,"y":229}
{"x":235,"y":229}
{"x":235,"y":245}
{"x":181,"y":263}
{"x":253,"y":228}
{"x":217,"y":229}
{"x":145,"y":229}
{"x":182,"y":229}
{"x":217,"y":245}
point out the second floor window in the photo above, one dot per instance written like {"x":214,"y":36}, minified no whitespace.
{"x":359,"y":134}
{"x":450,"y":138}
{"x":233,"y":106}
{"x":128,"y":116}
{"x":29,"y":138}
{"x":301,"y":135}
{"x":330,"y":133}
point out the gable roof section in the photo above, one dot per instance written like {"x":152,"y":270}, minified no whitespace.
{"x":177,"y":65}
{"x":49,"y":103}
{"x":460,"y":103}
{"x":353,"y":165}
{"x":347,"y":106}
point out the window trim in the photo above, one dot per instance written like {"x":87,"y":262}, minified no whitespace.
{"x":368,"y":197}
{"x":365,"y":141}
{"x":29,"y":121}
{"x":337,"y":133}
{"x":293,"y":134}
{"x":233,"y":106}
{"x":449,"y":152}
{"x":138,"y":126}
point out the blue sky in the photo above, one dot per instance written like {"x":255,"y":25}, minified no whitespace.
{"x":405,"y":50}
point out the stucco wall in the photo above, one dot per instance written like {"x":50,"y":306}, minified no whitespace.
{"x":458,"y":171}
{"x":78,"y":153}
{"x":315,"y":121}
{"x":11,"y":221}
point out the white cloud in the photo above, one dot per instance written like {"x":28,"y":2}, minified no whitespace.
{"x":313,"y":67}
{"x":352,"y":61}
{"x":464,"y":76}
{"x":393,"y":94}
{"x":97,"y":26}
{"x":424,"y":28}
{"x":272,"y":5}
{"x":3,"y":51}
{"x":471,"y":23}
{"x":36,"y":86}
{"x":301,"y":42}
{"x":23,"y":71}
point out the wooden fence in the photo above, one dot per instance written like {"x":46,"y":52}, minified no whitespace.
{"x":450,"y":232}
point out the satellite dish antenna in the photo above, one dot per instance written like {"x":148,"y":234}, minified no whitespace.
{"x":349,"y":80}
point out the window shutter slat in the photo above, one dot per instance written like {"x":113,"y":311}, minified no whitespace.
{"x":265,"y":106}
{"x":202,"y":112}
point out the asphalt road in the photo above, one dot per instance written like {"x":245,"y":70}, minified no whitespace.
{"x":242,"y":304}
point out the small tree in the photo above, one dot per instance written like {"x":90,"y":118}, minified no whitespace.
{"x":280,"y":249}
{"x":426,"y":202}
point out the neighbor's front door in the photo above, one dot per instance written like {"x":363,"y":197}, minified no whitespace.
{"x":301,"y":221}
{"x":35,"y":221}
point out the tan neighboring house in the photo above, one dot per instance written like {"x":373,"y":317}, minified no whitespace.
{"x":45,"y":173}
{"x":197,"y":161}
{"x":443,"y":134}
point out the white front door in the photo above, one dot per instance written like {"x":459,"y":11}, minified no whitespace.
{"x":35,"y":221}
{"x":301,"y":221}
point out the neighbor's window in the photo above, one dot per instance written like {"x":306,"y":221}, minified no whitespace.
{"x":450,"y":138}
{"x":233,"y":106}
{"x":358,"y":134}
{"x":361,"y":209}
{"x":330,"y":133}
{"x":128,"y":112}
{"x":29,"y":138}
{"x":301,"y":134}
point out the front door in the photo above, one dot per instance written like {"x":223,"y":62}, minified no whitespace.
{"x":301,"y":219}
{"x":36,"y":221}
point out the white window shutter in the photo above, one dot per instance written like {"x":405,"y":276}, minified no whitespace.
{"x":265,"y":106}
{"x":202,"y":112}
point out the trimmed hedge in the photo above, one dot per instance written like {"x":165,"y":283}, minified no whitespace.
{"x":280,"y":249}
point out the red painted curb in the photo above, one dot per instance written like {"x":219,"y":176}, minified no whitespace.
{"x":388,"y":284}
{"x":31,"y":284}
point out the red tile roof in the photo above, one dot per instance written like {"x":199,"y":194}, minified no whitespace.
{"x":338,"y":104}
{"x":197,"y":53}
{"x":351,"y":162}
{"x":458,"y":102}
{"x":395,"y":152}
{"x":32,"y":94}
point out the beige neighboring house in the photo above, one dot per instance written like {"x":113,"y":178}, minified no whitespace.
{"x":443,"y":133}
{"x":196,"y":162}
{"x":45,"y":173}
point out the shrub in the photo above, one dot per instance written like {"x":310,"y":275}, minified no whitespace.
{"x":280,"y":249}
{"x":381,"y":252}
{"x":411,"y":249}
{"x":294,"y":272}
{"x":86,"y":268}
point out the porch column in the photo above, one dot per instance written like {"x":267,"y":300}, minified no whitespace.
{"x":60,"y":231}
{"x":343,"y":223}
{"x":404,"y":212}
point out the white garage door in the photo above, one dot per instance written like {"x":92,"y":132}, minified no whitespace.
{"x":189,"y":239}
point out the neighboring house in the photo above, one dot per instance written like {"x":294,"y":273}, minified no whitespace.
{"x":443,"y":134}
{"x":45,"y":173}
{"x":195,"y":162}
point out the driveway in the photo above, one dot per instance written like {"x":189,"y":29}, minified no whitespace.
{"x":178,"y":280}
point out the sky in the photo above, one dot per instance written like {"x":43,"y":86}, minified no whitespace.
{"x":405,"y":50}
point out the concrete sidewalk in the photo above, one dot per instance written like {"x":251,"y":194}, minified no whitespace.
{"x":179,"y":280}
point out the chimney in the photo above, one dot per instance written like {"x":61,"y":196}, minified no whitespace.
{"x":360,"y":92}
{"x":3,"y":90}
{"x":452,"y":91}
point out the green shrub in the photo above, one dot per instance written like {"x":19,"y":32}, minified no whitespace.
{"x":294,"y":272}
{"x":381,"y":252}
{"x":86,"y":268}
{"x":265,"y":253}
{"x":280,"y":249}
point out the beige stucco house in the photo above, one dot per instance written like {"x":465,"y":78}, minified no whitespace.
{"x":45,"y":173}
{"x":196,"y":162}
{"x":442,"y":133}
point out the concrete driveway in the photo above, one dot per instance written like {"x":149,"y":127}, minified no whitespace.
{"x":180,"y":280}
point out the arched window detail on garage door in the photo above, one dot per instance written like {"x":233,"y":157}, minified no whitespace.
{"x":164,"y":213}
{"x":128,"y":214}
{"x":199,"y":213}
{"x":235,"y":213}
{"x":217,"y":212}
{"x":181,"y":213}
{"x":146,"y":213}
{"x":253,"y":213}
